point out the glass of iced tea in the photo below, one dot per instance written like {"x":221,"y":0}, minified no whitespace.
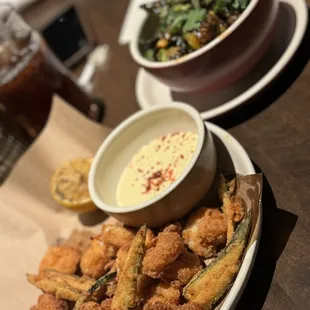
{"x":30,"y":74}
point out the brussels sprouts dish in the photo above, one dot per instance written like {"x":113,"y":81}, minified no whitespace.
{"x":185,"y":26}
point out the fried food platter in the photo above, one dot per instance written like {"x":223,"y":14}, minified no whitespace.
{"x":201,"y":261}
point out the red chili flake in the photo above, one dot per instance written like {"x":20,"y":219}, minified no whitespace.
{"x":147,"y":189}
{"x":163,"y":138}
{"x":157,"y":174}
{"x":182,"y":156}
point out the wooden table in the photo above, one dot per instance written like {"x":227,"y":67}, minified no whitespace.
{"x":275,"y":131}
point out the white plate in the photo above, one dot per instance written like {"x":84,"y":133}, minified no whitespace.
{"x":290,"y":30}
{"x":242,"y":165}
{"x":233,"y":159}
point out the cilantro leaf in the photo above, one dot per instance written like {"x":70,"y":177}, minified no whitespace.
{"x":236,"y":4}
{"x":196,"y":4}
{"x":177,"y":23}
{"x":194,"y":19}
{"x":221,"y":5}
{"x":244,"y":4}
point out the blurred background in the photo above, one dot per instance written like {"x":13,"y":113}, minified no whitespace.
{"x":32,"y":33}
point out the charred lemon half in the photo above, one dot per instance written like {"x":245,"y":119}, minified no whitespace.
{"x":69,"y":185}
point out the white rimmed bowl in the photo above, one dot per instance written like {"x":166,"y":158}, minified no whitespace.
{"x":224,"y":60}
{"x":121,"y":145}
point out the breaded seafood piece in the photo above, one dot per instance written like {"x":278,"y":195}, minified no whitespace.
{"x":50,"y":302}
{"x":175,"y":227}
{"x":149,"y":238}
{"x":121,"y":256}
{"x":117,"y":236}
{"x":163,"y":292}
{"x":183,"y":269}
{"x":166,"y":249}
{"x":90,"y":305}
{"x":106,"y":304}
{"x":62,"y":259}
{"x":205,"y":230}
{"x":94,"y":260}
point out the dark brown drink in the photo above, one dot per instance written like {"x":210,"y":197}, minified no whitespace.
{"x":30,"y":78}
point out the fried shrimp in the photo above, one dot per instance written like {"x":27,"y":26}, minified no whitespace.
{"x":232,"y":206}
{"x":163,"y":292}
{"x":94,"y":260}
{"x":106,"y":304}
{"x":91,"y":305}
{"x":62,"y":259}
{"x":183,"y":269}
{"x":50,"y":302}
{"x":205,"y":230}
{"x":166,"y":249}
{"x":176,"y":227}
{"x":117,"y":236}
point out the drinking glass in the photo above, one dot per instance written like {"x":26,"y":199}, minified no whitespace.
{"x":30,"y":74}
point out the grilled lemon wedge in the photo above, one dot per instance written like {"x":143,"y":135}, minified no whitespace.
{"x":69,"y":186}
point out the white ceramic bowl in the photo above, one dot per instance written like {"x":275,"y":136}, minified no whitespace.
{"x":121,"y":145}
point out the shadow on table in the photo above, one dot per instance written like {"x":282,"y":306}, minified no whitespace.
{"x":92,"y":218}
{"x":277,"y":228}
{"x":273,"y":91}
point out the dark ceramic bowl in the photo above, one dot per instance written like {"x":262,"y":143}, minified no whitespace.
{"x":221,"y":62}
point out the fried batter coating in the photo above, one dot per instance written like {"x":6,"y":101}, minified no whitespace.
{"x":111,"y":288}
{"x":62,"y":259}
{"x":205,"y":230}
{"x":163,"y":306}
{"x":63,"y":286}
{"x":121,"y":256}
{"x":94,"y":260}
{"x":106,"y":304}
{"x":50,"y":302}
{"x":176,"y":227}
{"x":127,"y":295}
{"x":116,"y":235}
{"x":232,"y":206}
{"x":163,"y":292}
{"x":149,"y":238}
{"x":90,"y":305}
{"x":166,"y":249}
{"x":183,"y":269}
{"x":123,"y":251}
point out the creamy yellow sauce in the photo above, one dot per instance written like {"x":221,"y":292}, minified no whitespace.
{"x":155,"y":167}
